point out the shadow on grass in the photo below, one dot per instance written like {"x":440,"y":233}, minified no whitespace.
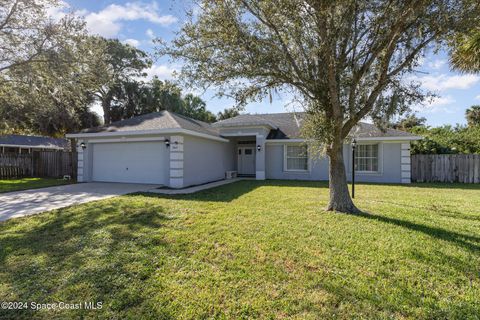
{"x":436,"y":208}
{"x":469,"y":242}
{"x":233,"y":191}
{"x":74,"y":255}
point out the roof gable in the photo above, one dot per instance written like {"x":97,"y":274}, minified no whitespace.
{"x":156,"y":121}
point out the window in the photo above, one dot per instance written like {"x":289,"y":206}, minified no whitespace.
{"x":248,"y":151}
{"x":296,"y":158}
{"x":366,"y":158}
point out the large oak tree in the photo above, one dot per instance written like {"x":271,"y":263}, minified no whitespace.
{"x":344,"y":59}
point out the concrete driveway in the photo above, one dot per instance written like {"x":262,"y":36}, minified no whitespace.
{"x":28,"y":202}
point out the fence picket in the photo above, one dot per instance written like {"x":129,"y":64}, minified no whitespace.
{"x":53,"y":164}
{"x":464,"y":168}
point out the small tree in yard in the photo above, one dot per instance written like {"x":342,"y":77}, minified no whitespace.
{"x":345,"y":60}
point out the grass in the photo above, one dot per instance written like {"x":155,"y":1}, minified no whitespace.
{"x":252,"y":250}
{"x":29,"y":183}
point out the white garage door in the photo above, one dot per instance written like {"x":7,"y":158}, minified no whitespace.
{"x":135,"y":162}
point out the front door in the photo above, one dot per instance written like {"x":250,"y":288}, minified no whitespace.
{"x":246,"y":160}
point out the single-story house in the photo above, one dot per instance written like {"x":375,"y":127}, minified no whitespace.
{"x":176,"y":151}
{"x":14,"y":143}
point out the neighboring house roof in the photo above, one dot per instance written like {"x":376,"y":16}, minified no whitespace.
{"x":157,"y":121}
{"x":14,"y":140}
{"x":287,"y":126}
{"x":281,"y":125}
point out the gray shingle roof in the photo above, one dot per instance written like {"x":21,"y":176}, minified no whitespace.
{"x":156,"y":121}
{"x":283,"y":125}
{"x":287,"y":125}
{"x":33,"y":141}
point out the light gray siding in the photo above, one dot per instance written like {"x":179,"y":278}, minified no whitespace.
{"x":206,"y":160}
{"x":389,"y":165}
{"x":390,"y":169}
{"x":274,"y":164}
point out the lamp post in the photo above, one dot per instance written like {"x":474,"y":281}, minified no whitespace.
{"x":354,"y":145}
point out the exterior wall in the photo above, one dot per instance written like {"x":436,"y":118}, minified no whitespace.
{"x":206,"y":160}
{"x":318,"y":168}
{"x":85,"y":157}
{"x":176,"y":164}
{"x":390,"y":165}
{"x":389,"y":162}
{"x":406,"y":163}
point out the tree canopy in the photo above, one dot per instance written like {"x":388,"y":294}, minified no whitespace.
{"x":473,"y":116}
{"x":343,"y":60}
{"x":27,"y":32}
{"x":465,"y":52}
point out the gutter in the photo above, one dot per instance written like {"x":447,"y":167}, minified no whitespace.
{"x":144,"y":132}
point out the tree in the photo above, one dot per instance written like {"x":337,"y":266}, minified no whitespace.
{"x":408,"y":122}
{"x":447,"y":139}
{"x":51,"y":97}
{"x":196,"y":108}
{"x":27,"y":32}
{"x":473,"y":116}
{"x":345,"y":60}
{"x":118,"y":67}
{"x":228,"y":113}
{"x":465,"y":53}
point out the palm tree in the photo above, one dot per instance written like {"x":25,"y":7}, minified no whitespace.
{"x":473,"y":116}
{"x":465,"y":54}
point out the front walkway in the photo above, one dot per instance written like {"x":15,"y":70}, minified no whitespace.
{"x":196,"y":188}
{"x":28,"y":202}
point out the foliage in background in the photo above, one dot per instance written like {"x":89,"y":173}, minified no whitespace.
{"x":51,"y":97}
{"x":447,"y":139}
{"x":443,"y":139}
{"x":228,"y":113}
{"x":465,"y":51}
{"x":473,"y":116}
{"x":27,"y":32}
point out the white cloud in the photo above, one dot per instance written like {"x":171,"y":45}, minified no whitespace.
{"x":477,"y":97}
{"x":443,"y":81}
{"x":132,"y":42}
{"x":108,"y":21}
{"x":436,"y":105}
{"x":437,"y":64}
{"x":162,"y":71}
{"x":150,"y":33}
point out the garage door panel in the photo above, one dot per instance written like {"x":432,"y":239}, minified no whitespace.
{"x":131,"y":162}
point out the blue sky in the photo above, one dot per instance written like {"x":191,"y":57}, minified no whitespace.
{"x":138,"y":22}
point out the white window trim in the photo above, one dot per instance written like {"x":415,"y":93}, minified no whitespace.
{"x":285,"y":169}
{"x":379,"y":160}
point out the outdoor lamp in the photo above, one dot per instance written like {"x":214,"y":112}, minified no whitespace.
{"x":167,"y":143}
{"x":259,"y":148}
{"x":83,"y":145}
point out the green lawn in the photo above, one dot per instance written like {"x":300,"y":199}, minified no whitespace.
{"x":29,"y":183}
{"x":252,"y":250}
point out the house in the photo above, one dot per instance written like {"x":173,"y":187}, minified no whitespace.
{"x":176,"y":151}
{"x":13,"y":143}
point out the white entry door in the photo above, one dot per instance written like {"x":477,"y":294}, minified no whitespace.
{"x":246,"y":160}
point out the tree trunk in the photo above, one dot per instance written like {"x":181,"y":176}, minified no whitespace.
{"x":340,"y":199}
{"x":106,"y":101}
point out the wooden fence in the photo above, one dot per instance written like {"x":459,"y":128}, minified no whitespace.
{"x":53,"y":164}
{"x":464,"y":168}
